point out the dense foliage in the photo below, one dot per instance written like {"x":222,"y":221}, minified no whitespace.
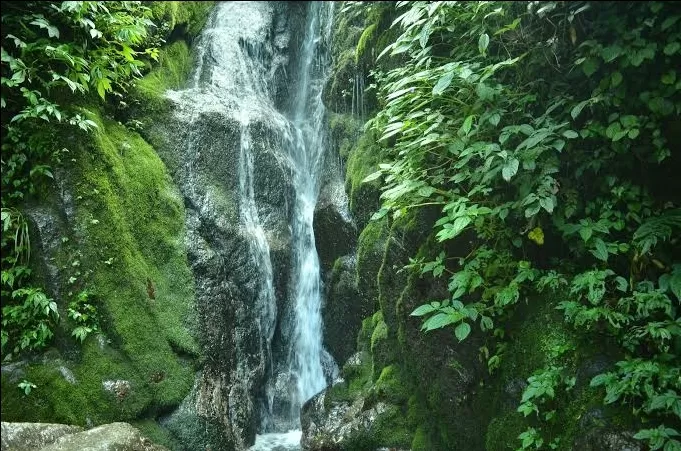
{"x":53,"y":56}
{"x":548,"y":135}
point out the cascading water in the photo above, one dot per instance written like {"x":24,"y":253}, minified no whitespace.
{"x":306,"y":145}
{"x":278,"y":358}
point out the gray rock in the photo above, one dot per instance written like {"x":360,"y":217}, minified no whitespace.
{"x":32,"y":436}
{"x":344,"y":310}
{"x":108,"y":437}
{"x":331,"y":426}
{"x":335,"y":231}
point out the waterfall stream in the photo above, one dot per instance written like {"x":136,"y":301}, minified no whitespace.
{"x":234,"y":79}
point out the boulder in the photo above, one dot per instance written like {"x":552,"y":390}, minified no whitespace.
{"x":32,"y":436}
{"x":108,"y":437}
{"x":64,"y":437}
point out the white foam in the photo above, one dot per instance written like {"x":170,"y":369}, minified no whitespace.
{"x":278,"y":441}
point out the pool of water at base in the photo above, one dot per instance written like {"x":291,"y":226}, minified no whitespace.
{"x":278,"y":441}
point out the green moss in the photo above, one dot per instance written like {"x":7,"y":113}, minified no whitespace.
{"x":364,"y":335}
{"x":129,"y":229}
{"x":366,"y":37}
{"x":380,"y":332}
{"x":503,"y":431}
{"x":344,"y":132}
{"x":174,"y":65}
{"x":390,"y":385}
{"x":422,"y":441}
{"x":370,"y":250}
{"x":157,"y":434}
{"x":364,"y":196}
{"x":190,"y":16}
{"x":381,"y":348}
{"x":391,"y":429}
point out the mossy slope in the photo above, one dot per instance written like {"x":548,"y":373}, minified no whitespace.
{"x":123,"y":242}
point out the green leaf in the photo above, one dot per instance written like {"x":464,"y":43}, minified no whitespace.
{"x":6,"y":57}
{"x":590,"y":66}
{"x":547,"y":204}
{"x":460,"y":224}
{"x":601,"y":251}
{"x":668,"y":78}
{"x":613,"y":129}
{"x":615,"y":79}
{"x":462,"y":331}
{"x":494,"y":119}
{"x":672,"y":48}
{"x":610,"y":53}
{"x":483,"y":42}
{"x":510,"y":169}
{"x":423,"y":310}
{"x":578,"y":108}
{"x":585,"y":233}
{"x":570,"y":134}
{"x":438,"y":321}
{"x":669,"y":21}
{"x":371,"y":177}
{"x":467,"y":124}
{"x":443,"y":83}
{"x":486,"y":323}
{"x":622,"y":284}
{"x":675,"y":284}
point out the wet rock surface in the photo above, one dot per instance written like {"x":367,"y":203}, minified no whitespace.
{"x":33,"y":436}
{"x":62,"y":437}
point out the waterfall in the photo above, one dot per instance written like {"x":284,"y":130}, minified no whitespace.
{"x":307,"y":152}
{"x":276,"y":357}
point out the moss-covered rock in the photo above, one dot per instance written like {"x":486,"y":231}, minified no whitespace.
{"x":343,"y":310}
{"x":181,"y":20}
{"x":364,"y":196}
{"x":126,"y":221}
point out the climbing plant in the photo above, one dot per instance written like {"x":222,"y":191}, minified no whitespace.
{"x":55,"y":56}
{"x":547,"y":134}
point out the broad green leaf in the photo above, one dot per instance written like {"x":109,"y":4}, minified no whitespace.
{"x":610,"y":53}
{"x":438,"y":321}
{"x":547,"y":204}
{"x":423,"y":309}
{"x":585,"y":232}
{"x":675,"y":284}
{"x":460,"y":224}
{"x":510,"y":169}
{"x":570,"y":134}
{"x":494,"y":119}
{"x":613,"y":129}
{"x":615,"y":79}
{"x":467,"y":124}
{"x":600,"y":251}
{"x":483,"y":42}
{"x":590,"y":66}
{"x":462,"y":331}
{"x":443,"y":83}
{"x":578,"y":108}
{"x":672,"y":48}
{"x":669,"y":21}
{"x":373,"y":176}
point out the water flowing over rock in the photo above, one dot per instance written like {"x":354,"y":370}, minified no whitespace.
{"x":248,"y":146}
